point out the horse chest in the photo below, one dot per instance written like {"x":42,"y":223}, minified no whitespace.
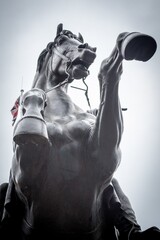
{"x":68,"y":151}
{"x":70,"y":182}
{"x":61,"y":176}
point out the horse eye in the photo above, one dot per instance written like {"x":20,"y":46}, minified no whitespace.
{"x":61,"y":40}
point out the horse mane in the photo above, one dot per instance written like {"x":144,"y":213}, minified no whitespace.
{"x":43,"y":55}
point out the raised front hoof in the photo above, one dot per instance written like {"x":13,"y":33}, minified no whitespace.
{"x":138,"y":46}
{"x":152,"y":233}
{"x":31,"y":130}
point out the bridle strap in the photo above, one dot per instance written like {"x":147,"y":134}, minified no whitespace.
{"x":67,"y":60}
{"x":61,"y":55}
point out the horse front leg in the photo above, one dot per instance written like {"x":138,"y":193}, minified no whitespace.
{"x":30,"y":125}
{"x":107,"y":132}
{"x":30,"y":142}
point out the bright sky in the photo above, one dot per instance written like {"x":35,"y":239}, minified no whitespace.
{"x":27,"y":26}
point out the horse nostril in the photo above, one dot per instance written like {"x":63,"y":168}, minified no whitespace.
{"x":85,"y":45}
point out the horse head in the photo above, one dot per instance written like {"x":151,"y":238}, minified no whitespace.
{"x":67,"y":57}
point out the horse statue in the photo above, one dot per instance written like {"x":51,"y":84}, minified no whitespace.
{"x":61,"y":182}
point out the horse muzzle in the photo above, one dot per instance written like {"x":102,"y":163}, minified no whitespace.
{"x":81,"y":64}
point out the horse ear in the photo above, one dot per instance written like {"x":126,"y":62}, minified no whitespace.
{"x":59,"y":28}
{"x":80,"y":37}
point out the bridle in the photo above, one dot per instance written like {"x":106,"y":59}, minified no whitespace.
{"x":68,"y":79}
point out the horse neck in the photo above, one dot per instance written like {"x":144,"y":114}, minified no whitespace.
{"x":39,"y":81}
{"x":59,"y":103}
{"x":48,"y":76}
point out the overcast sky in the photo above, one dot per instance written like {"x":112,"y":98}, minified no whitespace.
{"x":26,"y":26}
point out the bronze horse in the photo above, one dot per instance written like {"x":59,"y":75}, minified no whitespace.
{"x":64,"y":158}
